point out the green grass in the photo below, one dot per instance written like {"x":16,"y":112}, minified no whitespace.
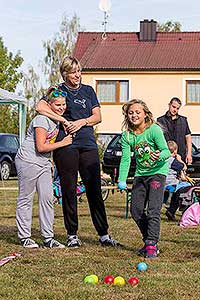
{"x":58,"y":274}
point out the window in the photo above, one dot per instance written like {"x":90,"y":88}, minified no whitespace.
{"x":112,"y":91}
{"x":193,"y":91}
{"x":196,"y":141}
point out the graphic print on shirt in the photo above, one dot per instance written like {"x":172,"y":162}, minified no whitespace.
{"x":143,"y":152}
{"x":51,"y":136}
{"x":80,"y":102}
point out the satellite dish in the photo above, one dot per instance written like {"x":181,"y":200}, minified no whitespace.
{"x":105,"y":5}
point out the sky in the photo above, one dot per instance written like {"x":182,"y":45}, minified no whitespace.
{"x":25,"y":24}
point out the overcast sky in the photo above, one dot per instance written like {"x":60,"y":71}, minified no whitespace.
{"x":24,"y":24}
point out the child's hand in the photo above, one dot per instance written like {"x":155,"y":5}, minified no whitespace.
{"x":183,"y":176}
{"x":67,"y":140}
{"x":155,"y":155}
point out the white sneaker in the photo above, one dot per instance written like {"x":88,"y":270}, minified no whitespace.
{"x":29,"y":243}
{"x":73,"y":242}
{"x":53,"y":244}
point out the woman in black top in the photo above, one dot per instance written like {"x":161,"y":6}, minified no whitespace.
{"x":83,"y":112}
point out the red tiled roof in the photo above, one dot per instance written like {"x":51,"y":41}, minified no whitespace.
{"x":124,"y":51}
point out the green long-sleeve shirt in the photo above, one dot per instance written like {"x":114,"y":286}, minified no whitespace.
{"x":151,"y":139}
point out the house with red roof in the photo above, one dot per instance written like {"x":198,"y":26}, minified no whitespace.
{"x":149,"y":65}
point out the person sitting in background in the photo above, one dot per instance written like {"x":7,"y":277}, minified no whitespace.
{"x":176,"y":179}
{"x":176,"y":165}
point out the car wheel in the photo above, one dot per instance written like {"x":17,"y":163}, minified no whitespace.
{"x":4,"y":170}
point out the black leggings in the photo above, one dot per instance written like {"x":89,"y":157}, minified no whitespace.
{"x":68,"y":162}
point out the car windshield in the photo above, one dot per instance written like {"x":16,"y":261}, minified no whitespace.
{"x":115,"y":142}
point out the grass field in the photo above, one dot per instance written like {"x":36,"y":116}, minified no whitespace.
{"x":58,"y":274}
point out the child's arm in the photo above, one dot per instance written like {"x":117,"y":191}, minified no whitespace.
{"x":125,"y":159}
{"x":42,"y":146}
{"x":178,"y":165}
{"x":163,"y":152}
{"x":183,"y":176}
{"x":178,"y":157}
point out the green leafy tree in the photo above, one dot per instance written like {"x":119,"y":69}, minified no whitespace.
{"x":10,"y":76}
{"x":61,"y":45}
{"x":9,"y":65}
{"x":169,"y":26}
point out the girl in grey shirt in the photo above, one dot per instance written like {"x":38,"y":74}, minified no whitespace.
{"x":33,"y":163}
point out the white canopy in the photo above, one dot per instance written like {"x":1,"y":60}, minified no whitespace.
{"x":11,"y":98}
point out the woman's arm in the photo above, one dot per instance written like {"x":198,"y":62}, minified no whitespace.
{"x":94,"y":119}
{"x":44,"y":109}
{"x":42,"y":146}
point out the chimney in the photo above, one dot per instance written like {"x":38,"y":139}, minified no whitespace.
{"x":147,"y":31}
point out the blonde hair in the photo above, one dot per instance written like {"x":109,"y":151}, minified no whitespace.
{"x":127,"y":125}
{"x":68,"y":63}
{"x":172,"y":146}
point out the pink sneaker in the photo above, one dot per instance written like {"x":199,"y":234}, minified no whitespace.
{"x":151,"y":249}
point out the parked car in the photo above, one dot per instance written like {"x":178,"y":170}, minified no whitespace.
{"x":112,"y":157}
{"x":9,"y":144}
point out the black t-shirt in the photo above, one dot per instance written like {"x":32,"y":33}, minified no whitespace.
{"x":80,"y":103}
{"x":175,"y":130}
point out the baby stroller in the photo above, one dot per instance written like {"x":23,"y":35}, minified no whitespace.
{"x":190,"y":205}
{"x":80,"y":189}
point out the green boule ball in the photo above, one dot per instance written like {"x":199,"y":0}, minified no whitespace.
{"x":89,"y":279}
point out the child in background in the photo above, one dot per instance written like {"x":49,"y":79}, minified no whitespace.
{"x":33,"y":163}
{"x":176,"y":178}
{"x":146,"y":139}
{"x":177,"y":170}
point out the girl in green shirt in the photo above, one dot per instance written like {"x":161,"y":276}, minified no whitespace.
{"x":145,"y":138}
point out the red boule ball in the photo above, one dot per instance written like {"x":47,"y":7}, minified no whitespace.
{"x":133,"y":281}
{"x":109,"y":279}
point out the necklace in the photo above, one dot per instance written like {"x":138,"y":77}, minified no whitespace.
{"x":73,"y":92}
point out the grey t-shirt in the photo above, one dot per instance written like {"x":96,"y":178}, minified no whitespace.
{"x":175,"y":167}
{"x":28,"y":151}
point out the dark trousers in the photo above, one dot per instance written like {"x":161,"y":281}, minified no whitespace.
{"x":176,"y":200}
{"x":147,"y":197}
{"x":174,"y":204}
{"x":68,"y":162}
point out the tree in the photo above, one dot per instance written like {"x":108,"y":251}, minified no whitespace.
{"x":9,"y":64}
{"x":32,"y":89}
{"x":169,"y":26}
{"x":10,"y":76}
{"x":61,"y":45}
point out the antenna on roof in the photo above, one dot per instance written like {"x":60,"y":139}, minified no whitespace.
{"x":105,"y":6}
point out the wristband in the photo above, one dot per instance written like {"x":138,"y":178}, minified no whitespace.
{"x":87,"y":122}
